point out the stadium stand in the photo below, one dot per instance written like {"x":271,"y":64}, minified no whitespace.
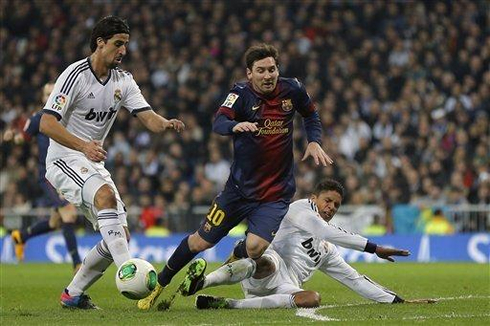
{"x":403,"y":89}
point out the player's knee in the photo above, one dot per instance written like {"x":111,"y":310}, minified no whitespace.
{"x":198,"y":244}
{"x":256,"y":249}
{"x":307,"y":299}
{"x":105,"y":198}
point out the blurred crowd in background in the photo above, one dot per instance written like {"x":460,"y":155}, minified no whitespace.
{"x":403,"y":91}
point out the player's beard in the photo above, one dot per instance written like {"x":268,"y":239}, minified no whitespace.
{"x":113,"y":64}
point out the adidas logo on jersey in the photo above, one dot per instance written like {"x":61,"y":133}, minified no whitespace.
{"x":91,"y":96}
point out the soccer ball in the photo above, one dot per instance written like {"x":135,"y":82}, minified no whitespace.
{"x":136,"y":278}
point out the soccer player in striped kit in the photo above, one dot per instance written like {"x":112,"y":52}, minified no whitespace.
{"x":77,"y":117}
{"x":259,"y":115}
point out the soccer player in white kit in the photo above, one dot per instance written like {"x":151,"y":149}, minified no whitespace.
{"x":77,"y":117}
{"x":303,"y":244}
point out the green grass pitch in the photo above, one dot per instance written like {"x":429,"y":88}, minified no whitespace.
{"x":30,"y":292}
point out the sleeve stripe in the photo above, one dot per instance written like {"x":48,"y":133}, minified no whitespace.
{"x":56,"y":114}
{"x":136,"y":111}
{"x":72,"y":76}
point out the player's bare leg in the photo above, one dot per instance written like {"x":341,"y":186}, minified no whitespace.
{"x":253,"y":246}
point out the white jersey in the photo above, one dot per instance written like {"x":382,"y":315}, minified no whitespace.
{"x":301,"y":240}
{"x":87,"y":107}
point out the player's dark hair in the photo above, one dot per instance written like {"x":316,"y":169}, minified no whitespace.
{"x":329,"y":185}
{"x":106,"y":28}
{"x":259,"y":52}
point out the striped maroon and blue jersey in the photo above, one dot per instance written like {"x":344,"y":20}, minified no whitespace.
{"x":263,"y":164}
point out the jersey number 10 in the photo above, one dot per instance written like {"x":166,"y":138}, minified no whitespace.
{"x":215,"y":215}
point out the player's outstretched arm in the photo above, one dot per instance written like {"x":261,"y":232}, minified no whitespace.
{"x":316,"y":151}
{"x":53,"y":129}
{"x":387,"y":253}
{"x":157,"y":123}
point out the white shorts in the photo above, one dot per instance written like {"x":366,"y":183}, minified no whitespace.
{"x":280,"y":282}
{"x":78,"y":179}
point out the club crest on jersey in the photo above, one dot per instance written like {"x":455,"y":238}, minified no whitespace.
{"x":207,"y":227}
{"x":83,"y":170}
{"x":230,"y":100}
{"x":117,"y":95}
{"x":59,"y":102}
{"x":287,"y":105}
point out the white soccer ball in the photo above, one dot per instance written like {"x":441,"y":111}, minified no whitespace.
{"x":136,"y":278}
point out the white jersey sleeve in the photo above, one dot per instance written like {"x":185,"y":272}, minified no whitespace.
{"x":309,"y":220}
{"x":65,"y":89}
{"x":133,"y":100}
{"x":335,"y":266}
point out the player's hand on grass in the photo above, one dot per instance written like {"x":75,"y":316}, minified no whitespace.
{"x":94,"y":151}
{"x":245,"y":127}
{"x":386,"y":253}
{"x":174,"y":124}
{"x":316,"y":151}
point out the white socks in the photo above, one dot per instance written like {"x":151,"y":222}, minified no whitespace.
{"x":231,"y":273}
{"x":114,"y":235}
{"x":93,"y":267}
{"x":268,"y":302}
{"x":114,"y":246}
{"x":238,"y":271}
